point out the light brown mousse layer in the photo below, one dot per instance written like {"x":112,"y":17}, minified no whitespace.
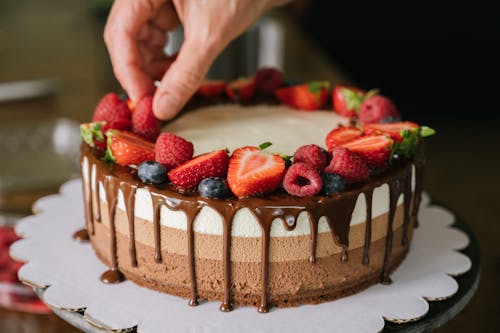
{"x":293,"y":279}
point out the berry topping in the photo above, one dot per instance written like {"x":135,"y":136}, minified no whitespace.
{"x":93,"y":133}
{"x":312,"y":155}
{"x":348,"y":165}
{"x":152,"y":172}
{"x":374,"y":149}
{"x":213,"y":188}
{"x":332,"y":183}
{"x":311,"y":96}
{"x":347,"y":100}
{"x":341,"y":135}
{"x":254,"y":172}
{"x":267,"y":80}
{"x":212,"y":88}
{"x":144,"y":122}
{"x":241,"y":90}
{"x":172,"y":150}
{"x":376,"y":108}
{"x":111,"y":109}
{"x":191,"y":173}
{"x":394,"y":130}
{"x":126,"y":148}
{"x":302,"y":180}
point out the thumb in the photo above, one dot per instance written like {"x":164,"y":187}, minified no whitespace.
{"x":181,"y":80}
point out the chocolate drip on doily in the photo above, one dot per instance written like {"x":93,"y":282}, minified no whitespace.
{"x":81,"y":235}
{"x":129,"y":191}
{"x":368,"y":226}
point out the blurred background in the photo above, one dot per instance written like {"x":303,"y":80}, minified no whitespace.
{"x":439,"y":62}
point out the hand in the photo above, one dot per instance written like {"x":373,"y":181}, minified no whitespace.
{"x":136,"y":34}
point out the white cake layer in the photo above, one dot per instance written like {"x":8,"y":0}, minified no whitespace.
{"x":208,"y":221}
{"x":233,"y":126}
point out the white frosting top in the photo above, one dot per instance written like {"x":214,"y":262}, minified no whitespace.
{"x":232,"y":126}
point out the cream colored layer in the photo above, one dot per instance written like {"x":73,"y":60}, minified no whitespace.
{"x":208,"y":221}
{"x":248,"y":249}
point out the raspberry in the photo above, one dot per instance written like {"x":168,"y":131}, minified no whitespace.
{"x":312,"y":155}
{"x":267,"y":80}
{"x":348,"y":165}
{"x":376,"y":108}
{"x":302,"y":180}
{"x":144,"y":122}
{"x":172,"y":150}
{"x":111,"y":109}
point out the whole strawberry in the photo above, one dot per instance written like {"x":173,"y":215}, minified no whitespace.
{"x":111,"y":109}
{"x":312,"y":155}
{"x":144,"y":122}
{"x":125,"y":148}
{"x":376,"y":108}
{"x":172,"y":150}
{"x":347,"y":100}
{"x":348,"y":165}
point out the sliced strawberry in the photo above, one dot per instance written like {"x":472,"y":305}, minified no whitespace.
{"x":347,"y":100}
{"x":254,"y":172}
{"x":191,"y":173}
{"x":341,"y":135}
{"x":125,"y":148}
{"x":394,"y":130}
{"x":310,"y":96}
{"x":375,"y":150}
{"x":241,"y":90}
{"x":212,"y":88}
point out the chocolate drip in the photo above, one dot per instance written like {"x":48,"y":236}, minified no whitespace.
{"x":368,"y":226}
{"x":98,"y":201}
{"x":129,"y":196}
{"x":158,"y":202}
{"x":87,"y":194}
{"x":314,"y":237}
{"x":406,"y":205}
{"x":81,"y":235}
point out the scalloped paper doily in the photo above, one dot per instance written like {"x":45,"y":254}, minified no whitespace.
{"x":69,"y":272}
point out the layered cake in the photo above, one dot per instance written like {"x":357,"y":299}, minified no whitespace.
{"x":257,"y":194}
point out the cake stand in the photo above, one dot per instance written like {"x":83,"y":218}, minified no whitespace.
{"x":435,"y":282}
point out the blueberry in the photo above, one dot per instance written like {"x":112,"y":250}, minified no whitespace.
{"x":123,"y":96}
{"x":213,"y":188}
{"x":332,"y":183}
{"x":152,"y":172}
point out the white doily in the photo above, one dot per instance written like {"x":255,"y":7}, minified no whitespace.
{"x":70,"y":271}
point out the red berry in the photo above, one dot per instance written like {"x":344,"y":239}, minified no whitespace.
{"x":302,"y":180}
{"x":348,"y":165}
{"x":129,"y":149}
{"x":347,"y":100}
{"x":376,"y":108}
{"x":241,"y":90}
{"x":310,"y":96}
{"x":254,"y":172}
{"x":312,"y":155}
{"x":341,"y":135}
{"x":111,"y":109}
{"x":172,"y":150}
{"x":191,"y":173}
{"x":392,"y":129}
{"x":210,"y":88}
{"x":267,"y":80}
{"x":375,"y":150}
{"x":144,"y":122}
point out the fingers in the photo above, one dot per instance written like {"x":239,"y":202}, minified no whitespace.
{"x":182,"y":79}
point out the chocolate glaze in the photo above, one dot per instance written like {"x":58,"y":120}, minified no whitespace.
{"x":81,"y":235}
{"x":337,"y":209}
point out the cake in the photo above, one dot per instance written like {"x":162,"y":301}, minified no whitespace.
{"x":277,"y":247}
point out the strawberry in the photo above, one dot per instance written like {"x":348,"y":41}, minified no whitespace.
{"x":302,"y":180}
{"x":267,"y":80}
{"x":191,"y":173}
{"x":111,"y":109}
{"x":376,"y":108}
{"x":93,"y":133}
{"x":375,"y":150}
{"x":254,"y":172}
{"x":125,"y":148}
{"x":309,"y":96}
{"x":394,"y":130}
{"x":347,"y":100}
{"x":348,"y":165}
{"x":144,"y":122}
{"x":212,"y":88}
{"x":312,"y":155}
{"x":341,"y":135}
{"x":241,"y":90}
{"x":172,"y":150}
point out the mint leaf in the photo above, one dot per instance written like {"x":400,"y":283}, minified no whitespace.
{"x":426,"y":131}
{"x":264,"y":145}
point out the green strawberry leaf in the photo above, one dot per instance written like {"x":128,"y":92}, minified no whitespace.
{"x":371,"y":93}
{"x":265,"y":145}
{"x":315,"y":87}
{"x":426,"y":131}
{"x":406,"y":147}
{"x":108,"y":157}
{"x":352,"y":99}
{"x":92,"y":131}
{"x":227,"y":150}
